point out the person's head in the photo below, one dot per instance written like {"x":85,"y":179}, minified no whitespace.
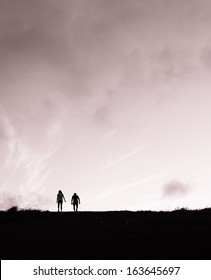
{"x":60,"y":191}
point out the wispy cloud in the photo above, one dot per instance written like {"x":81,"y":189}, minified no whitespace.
{"x":132,"y":153}
{"x":33,"y":161}
{"x":12,"y":141}
{"x":9,"y":200}
{"x":121,"y":188}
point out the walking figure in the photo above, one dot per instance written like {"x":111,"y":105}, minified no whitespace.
{"x":59,"y":200}
{"x":75,"y":201}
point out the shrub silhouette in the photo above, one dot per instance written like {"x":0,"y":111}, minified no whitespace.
{"x":13,"y":209}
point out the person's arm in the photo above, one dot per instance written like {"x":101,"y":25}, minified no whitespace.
{"x":79,"y":200}
{"x":64,"y":198}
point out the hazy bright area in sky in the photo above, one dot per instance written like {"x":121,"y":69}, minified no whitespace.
{"x":110,"y":99}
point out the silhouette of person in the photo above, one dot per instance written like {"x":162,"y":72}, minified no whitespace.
{"x":59,"y":200}
{"x":75,"y":201}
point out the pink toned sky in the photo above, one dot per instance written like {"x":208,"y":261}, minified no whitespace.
{"x":107,"y":98}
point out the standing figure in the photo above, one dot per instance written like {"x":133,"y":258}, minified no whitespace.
{"x":75,"y":201}
{"x":59,"y":200}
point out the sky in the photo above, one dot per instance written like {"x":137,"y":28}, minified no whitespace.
{"x":106,"y":98}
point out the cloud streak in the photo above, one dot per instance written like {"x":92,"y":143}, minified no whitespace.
{"x":117,"y":190}
{"x":132,"y":153}
{"x":33,"y":161}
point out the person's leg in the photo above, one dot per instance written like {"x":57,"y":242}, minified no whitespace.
{"x":59,"y":206}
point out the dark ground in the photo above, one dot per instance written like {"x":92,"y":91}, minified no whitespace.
{"x":181,"y":234}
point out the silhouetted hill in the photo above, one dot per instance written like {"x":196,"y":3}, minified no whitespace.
{"x":181,"y":234}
